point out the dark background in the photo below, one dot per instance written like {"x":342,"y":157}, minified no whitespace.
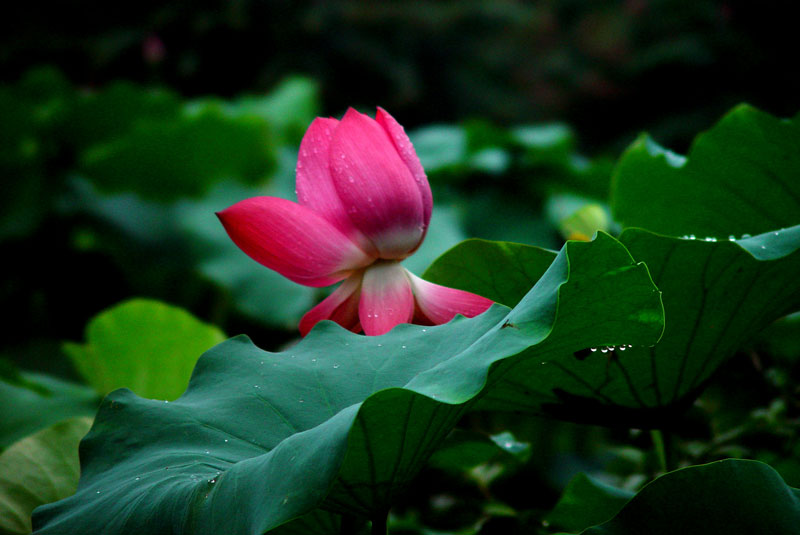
{"x":609,"y":69}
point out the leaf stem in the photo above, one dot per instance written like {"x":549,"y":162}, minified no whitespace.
{"x":657,"y":437}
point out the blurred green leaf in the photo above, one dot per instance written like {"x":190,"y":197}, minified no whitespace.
{"x":729,"y":497}
{"x":464,"y":450}
{"x":582,"y":224}
{"x":289,"y":107}
{"x":41,"y":401}
{"x":113,"y":112}
{"x":739,"y":178}
{"x":257,"y":436}
{"x":25,"y":199}
{"x":39,"y":469}
{"x":145,"y":345}
{"x":587,"y":502}
{"x":545,"y":137}
{"x":166,"y":160}
{"x":440,"y":147}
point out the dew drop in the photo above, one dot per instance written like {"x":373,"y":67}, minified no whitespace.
{"x":593,"y":349}
{"x":335,"y":366}
{"x":137,"y":478}
{"x":403,"y":347}
{"x":380,"y":345}
{"x":98,"y":492}
{"x":622,"y":348}
{"x":692,"y":237}
{"x":313,"y":360}
{"x":226,"y":440}
{"x":342,"y":156}
{"x":604,"y":350}
{"x":731,"y":238}
{"x":763,"y":246}
{"x":508,"y":444}
{"x":424,"y":330}
{"x":745,"y":236}
{"x":300,"y":401}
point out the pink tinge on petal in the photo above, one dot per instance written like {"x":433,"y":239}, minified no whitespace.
{"x":379,"y":193}
{"x":314,"y":183}
{"x":386,"y":298}
{"x":440,"y":304}
{"x":341,"y":306}
{"x":405,"y":149}
{"x":293,"y":240}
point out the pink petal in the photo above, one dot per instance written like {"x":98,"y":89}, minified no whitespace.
{"x":293,"y":240}
{"x":440,"y":304}
{"x":386,"y":298}
{"x":409,"y":156}
{"x":314,"y":184}
{"x":381,"y":196}
{"x":341,"y":306}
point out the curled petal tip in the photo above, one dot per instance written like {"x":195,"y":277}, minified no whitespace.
{"x":440,"y":304}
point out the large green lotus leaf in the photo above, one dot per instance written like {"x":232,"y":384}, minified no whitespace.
{"x":730,"y":497}
{"x":34,"y":401}
{"x":339,"y":420}
{"x":145,"y":345}
{"x":739,"y":178}
{"x":38,"y":469}
{"x":717,"y":295}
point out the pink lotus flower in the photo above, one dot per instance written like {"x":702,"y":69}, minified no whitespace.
{"x":364,"y":204}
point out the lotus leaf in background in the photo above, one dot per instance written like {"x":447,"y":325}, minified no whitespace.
{"x":145,"y":345}
{"x":39,"y":469}
{"x":740,"y":177}
{"x":35,"y":401}
{"x":729,"y":497}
